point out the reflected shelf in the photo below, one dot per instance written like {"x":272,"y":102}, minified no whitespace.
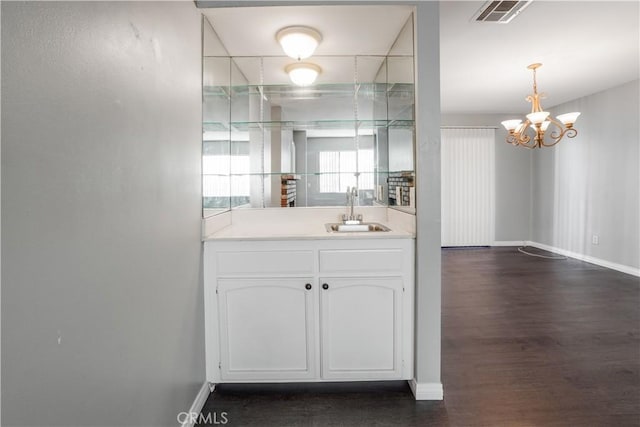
{"x":402,"y":119}
{"x":322,"y":124}
{"x":393,"y":89}
{"x":303,"y":174}
{"x":395,"y":55}
{"x":216,"y":91}
{"x":400,"y":89}
{"x":211,"y":126}
{"x":319,"y":90}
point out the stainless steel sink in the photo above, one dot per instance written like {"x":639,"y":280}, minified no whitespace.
{"x":366,"y":227}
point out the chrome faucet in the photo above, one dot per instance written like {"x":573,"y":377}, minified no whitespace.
{"x":352,"y":193}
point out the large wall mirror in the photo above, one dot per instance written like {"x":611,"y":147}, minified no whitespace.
{"x":270,"y":143}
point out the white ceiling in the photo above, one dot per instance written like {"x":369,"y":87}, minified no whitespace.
{"x":346,"y":30}
{"x":585,"y":46}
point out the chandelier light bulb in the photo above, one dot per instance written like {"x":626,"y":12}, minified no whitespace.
{"x":538,"y":117}
{"x":303,"y":73}
{"x":511,"y":124}
{"x":298,"y":42}
{"x":568,"y":119}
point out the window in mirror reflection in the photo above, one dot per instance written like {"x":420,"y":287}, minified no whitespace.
{"x":338,"y":170}
{"x":215,"y":176}
{"x":217,"y":166}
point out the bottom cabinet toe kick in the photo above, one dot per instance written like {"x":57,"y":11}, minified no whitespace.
{"x":306,"y":310}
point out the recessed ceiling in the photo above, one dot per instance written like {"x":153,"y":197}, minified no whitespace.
{"x":346,"y":30}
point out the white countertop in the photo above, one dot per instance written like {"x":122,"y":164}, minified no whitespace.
{"x":305,"y":224}
{"x":266,"y":232}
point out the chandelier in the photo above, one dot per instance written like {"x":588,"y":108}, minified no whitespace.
{"x":533,"y":132}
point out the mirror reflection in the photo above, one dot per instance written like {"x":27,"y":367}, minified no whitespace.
{"x":270,"y":143}
{"x":216,"y":119}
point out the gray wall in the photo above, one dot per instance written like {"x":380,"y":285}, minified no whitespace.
{"x":589,"y":185}
{"x":585,"y":186}
{"x":428,"y":234}
{"x":513,"y":174}
{"x":101,"y":290}
{"x":0,"y":228}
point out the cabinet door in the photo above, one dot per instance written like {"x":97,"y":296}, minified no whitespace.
{"x":361,"y":328}
{"x":267,"y":329}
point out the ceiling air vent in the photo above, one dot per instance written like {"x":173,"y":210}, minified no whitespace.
{"x":500,"y":12}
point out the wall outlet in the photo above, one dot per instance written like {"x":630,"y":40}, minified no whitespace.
{"x":595,"y":239}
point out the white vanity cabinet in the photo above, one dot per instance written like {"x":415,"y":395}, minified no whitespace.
{"x":361,"y":328}
{"x":267,"y":329}
{"x":309,"y":310}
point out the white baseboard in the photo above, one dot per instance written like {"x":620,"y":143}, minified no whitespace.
{"x":197,"y":405}
{"x":426,"y":391}
{"x":508,"y":243}
{"x":587,"y":258}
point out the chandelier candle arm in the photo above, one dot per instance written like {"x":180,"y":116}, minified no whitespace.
{"x":538,"y":122}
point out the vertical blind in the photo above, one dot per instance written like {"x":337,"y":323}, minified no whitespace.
{"x":468,"y":186}
{"x":337,"y":169}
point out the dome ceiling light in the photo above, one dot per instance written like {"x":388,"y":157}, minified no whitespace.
{"x":303,"y":73}
{"x":299,"y":42}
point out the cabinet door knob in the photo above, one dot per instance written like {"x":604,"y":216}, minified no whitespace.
{"x":325,"y":286}
{"x":308,"y":286}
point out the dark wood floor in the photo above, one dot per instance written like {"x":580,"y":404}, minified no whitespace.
{"x":526,"y":342}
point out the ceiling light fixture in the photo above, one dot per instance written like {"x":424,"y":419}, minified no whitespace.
{"x":298,"y":42}
{"x":303,"y":73}
{"x":539,"y":121}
